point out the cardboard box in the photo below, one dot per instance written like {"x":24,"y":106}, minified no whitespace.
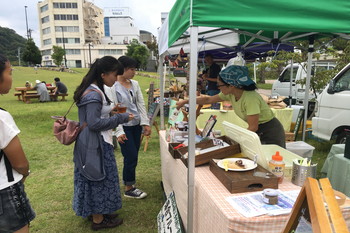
{"x":244,"y":181}
{"x":204,"y":158}
{"x":250,"y":145}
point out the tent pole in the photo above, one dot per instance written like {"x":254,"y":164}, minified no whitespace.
{"x":291,"y":84}
{"x":161,"y":87}
{"x":192,"y":125}
{"x":307,"y":86}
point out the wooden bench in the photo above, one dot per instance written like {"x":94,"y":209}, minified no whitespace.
{"x":54,"y":97}
{"x":19,"y":95}
{"x":27,"y":97}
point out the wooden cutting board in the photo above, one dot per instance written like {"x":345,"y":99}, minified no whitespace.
{"x":244,"y":181}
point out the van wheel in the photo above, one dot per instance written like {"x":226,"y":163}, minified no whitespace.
{"x":341,"y":138}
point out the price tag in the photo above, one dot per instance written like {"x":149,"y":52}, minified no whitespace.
{"x":218,"y":142}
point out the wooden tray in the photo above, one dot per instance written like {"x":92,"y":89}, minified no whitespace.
{"x":239,"y":182}
{"x":204,"y":158}
{"x":174,"y":153}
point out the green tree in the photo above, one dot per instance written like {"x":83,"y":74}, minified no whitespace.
{"x":31,"y":53}
{"x":139,"y":52}
{"x":10,"y":43}
{"x":153,"y":47}
{"x":57,"y":55}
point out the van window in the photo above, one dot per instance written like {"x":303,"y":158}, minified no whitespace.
{"x":285,"y":77}
{"x":342,"y":84}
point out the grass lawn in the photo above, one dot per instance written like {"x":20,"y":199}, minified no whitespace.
{"x":50,"y":186}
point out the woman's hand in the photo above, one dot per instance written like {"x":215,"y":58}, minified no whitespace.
{"x":147,"y":130}
{"x":181,"y":103}
{"x":131,"y":116}
{"x":122,"y":138}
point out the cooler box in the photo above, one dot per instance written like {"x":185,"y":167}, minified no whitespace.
{"x":300,"y":148}
{"x":250,"y":145}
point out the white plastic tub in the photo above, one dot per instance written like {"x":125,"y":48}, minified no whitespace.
{"x":300,"y":148}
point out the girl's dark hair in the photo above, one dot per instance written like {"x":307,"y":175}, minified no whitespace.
{"x":251,"y":87}
{"x":128,"y":62}
{"x":3,"y":61}
{"x":101,"y":66}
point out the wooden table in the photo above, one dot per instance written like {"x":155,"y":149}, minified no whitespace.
{"x":24,"y":91}
{"x":212,"y":212}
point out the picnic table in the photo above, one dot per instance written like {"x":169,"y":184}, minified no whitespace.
{"x":25,"y":94}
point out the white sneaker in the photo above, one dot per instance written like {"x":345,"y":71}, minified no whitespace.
{"x":135,"y":193}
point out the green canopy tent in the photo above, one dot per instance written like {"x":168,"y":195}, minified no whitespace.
{"x":273,"y":21}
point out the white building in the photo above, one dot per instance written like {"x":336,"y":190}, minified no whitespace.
{"x":77,"y":26}
{"x":119,"y":26}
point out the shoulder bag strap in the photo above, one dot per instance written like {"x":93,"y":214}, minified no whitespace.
{"x":8,"y":166}
{"x":85,"y":93}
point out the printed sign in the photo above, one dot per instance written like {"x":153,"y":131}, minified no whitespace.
{"x":169,"y":220}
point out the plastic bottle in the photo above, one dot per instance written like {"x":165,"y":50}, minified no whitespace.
{"x":277,"y":165}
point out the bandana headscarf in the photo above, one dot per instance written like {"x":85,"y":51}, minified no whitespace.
{"x":236,"y":76}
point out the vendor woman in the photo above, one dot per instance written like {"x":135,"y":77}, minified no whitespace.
{"x":239,"y":89}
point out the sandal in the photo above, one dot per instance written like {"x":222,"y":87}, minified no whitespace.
{"x":110,"y":216}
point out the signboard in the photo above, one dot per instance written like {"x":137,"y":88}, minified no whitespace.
{"x":153,"y":111}
{"x":168,"y":219}
{"x":116,"y":11}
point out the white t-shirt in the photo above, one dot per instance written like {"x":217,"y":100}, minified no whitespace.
{"x":8,"y":130}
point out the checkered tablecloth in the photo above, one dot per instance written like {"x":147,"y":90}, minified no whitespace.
{"x":212,"y":213}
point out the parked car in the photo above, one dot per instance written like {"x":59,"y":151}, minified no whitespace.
{"x":281,"y":87}
{"x":180,"y":72}
{"x":332,"y":117}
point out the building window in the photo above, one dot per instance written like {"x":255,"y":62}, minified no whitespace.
{"x":44,"y":8}
{"x":47,"y":42}
{"x":110,"y":51}
{"x":65,"y":5}
{"x":46,"y":30}
{"x":46,"y":52}
{"x":65,"y":17}
{"x":73,"y":51}
{"x":45,"y":19}
{"x":68,"y":40}
{"x":67,"y":29}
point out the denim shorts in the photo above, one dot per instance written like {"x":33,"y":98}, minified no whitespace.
{"x":15,"y":209}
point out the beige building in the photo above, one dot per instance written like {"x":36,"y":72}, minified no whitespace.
{"x":77,"y":26}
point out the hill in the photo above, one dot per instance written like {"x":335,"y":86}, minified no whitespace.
{"x":10,"y":41}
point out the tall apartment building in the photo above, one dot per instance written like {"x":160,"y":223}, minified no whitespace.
{"x":77,"y":26}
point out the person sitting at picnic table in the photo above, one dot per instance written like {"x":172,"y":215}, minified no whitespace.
{"x":42,"y":91}
{"x":60,"y":87}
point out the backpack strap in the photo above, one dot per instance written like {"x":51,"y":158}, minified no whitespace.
{"x":8,"y":166}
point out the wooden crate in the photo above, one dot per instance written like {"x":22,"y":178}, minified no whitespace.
{"x":244,"y":181}
{"x":204,"y":158}
{"x":172,"y":151}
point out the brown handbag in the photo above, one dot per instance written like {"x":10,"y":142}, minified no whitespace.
{"x":66,"y":131}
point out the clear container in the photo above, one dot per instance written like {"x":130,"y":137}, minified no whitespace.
{"x":276,"y":166}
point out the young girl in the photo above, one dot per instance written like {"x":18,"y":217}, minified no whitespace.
{"x":96,"y":181}
{"x":129,"y":94}
{"x":15,"y":212}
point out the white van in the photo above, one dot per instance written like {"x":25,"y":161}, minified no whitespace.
{"x":332,"y":119}
{"x":281,"y":87}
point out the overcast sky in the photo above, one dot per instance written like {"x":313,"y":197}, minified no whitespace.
{"x":146,"y":14}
